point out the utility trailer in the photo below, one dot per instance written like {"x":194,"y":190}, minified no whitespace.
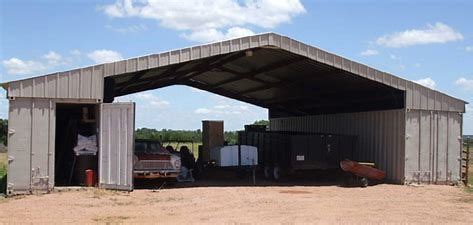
{"x":288,"y":152}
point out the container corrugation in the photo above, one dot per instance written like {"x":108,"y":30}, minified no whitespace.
{"x":433,"y":147}
{"x":380,"y":135}
{"x":85,"y":83}
{"x":117,"y":140}
{"x":31,"y":145}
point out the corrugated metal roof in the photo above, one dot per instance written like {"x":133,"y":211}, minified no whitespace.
{"x":268,"y":70}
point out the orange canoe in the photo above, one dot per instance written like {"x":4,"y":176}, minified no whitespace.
{"x":362,"y":170}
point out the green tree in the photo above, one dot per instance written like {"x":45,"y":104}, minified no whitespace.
{"x":3,"y":131}
{"x":261,"y":122}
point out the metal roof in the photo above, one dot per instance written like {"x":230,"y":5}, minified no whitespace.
{"x":269,"y":70}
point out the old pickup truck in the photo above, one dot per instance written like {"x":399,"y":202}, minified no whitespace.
{"x":152,"y":160}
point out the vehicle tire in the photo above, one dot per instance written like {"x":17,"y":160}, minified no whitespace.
{"x":364,"y":182}
{"x":277,"y":173}
{"x":268,"y":172}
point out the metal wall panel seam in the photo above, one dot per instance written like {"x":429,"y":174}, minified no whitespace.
{"x":448,"y":146}
{"x":31,"y":142}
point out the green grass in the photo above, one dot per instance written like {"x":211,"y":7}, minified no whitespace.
{"x":3,"y":164}
{"x":3,"y":172}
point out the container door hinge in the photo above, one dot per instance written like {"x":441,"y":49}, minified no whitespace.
{"x":11,"y":131}
{"x":10,"y":159}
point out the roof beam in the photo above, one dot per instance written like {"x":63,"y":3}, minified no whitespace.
{"x":153,"y":82}
{"x":166,"y":76}
{"x":144,"y":88}
{"x":133,"y":79}
{"x":210,"y":66}
{"x":283,"y":83}
{"x":251,"y":75}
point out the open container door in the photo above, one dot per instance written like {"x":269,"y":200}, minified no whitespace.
{"x":117,"y":126}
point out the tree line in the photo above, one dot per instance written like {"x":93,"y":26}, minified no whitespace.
{"x":167,"y":135}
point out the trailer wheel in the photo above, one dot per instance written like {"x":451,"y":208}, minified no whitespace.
{"x":268,"y":172}
{"x":277,"y":173}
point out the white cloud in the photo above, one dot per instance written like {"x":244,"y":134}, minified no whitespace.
{"x":369,"y":52}
{"x":214,"y":34}
{"x":47,"y":62}
{"x":465,"y":84}
{"x":206,"y":20}
{"x":469,"y":48}
{"x":438,"y":33}
{"x":128,"y":29}
{"x":228,"y":108}
{"x":145,"y":99}
{"x":17,"y":66}
{"x":202,"y":111}
{"x":3,"y":104}
{"x":104,"y":56}
{"x":52,"y":58}
{"x":428,"y":82}
{"x":152,"y":100}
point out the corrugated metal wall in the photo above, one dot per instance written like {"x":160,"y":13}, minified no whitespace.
{"x":85,"y":83}
{"x":433,"y":146}
{"x":117,"y":126}
{"x":31,"y":140}
{"x":380,"y":135}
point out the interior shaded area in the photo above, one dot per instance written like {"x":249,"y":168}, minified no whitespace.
{"x":71,"y":121}
{"x":285,"y":83}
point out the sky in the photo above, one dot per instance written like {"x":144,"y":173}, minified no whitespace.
{"x":430,"y":42}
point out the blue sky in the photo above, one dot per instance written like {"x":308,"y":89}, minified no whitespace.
{"x":426,"y":41}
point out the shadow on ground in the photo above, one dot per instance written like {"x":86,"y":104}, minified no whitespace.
{"x":229,"y":178}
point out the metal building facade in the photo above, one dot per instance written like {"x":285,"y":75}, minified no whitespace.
{"x":417,"y":142}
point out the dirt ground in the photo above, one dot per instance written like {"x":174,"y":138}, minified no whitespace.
{"x":272,"y":204}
